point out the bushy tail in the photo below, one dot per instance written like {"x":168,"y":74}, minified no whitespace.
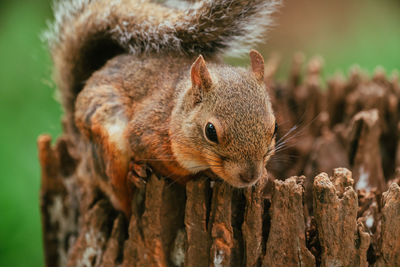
{"x":86,"y":33}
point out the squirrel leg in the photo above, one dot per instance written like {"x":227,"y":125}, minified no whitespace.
{"x":102,"y":117}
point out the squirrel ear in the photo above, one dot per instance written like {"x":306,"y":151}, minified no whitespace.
{"x":201,"y":79}
{"x":257,"y":65}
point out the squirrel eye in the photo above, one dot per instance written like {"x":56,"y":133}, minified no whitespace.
{"x":276,"y":129}
{"x":211,"y":133}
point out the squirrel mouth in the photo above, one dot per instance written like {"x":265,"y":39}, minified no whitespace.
{"x":246,"y":179}
{"x":235,"y":181}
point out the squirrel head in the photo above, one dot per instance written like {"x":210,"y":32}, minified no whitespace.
{"x":223,"y":121}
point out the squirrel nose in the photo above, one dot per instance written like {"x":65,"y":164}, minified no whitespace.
{"x":251,"y":172}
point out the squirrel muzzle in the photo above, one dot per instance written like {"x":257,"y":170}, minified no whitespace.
{"x":241,"y":174}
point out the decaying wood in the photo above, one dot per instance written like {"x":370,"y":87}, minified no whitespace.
{"x":343,"y":241}
{"x":390,"y":231}
{"x":329,"y":217}
{"x":59,"y":208}
{"x":286,"y":244}
{"x":196,"y":226}
{"x":252,"y":226}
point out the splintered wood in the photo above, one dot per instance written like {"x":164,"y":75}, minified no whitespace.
{"x":337,"y":146}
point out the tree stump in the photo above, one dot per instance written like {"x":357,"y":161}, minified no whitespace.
{"x":337,"y":218}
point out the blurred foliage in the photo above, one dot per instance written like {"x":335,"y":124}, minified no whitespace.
{"x":365,"y":32}
{"x":343,"y":32}
{"x":27,"y":109}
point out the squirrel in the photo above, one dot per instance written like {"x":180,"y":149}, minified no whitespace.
{"x":135,"y":84}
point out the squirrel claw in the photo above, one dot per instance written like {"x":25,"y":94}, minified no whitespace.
{"x":138,"y":174}
{"x":137,"y":181}
{"x":140,"y":169}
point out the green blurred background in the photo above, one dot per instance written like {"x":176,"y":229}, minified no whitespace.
{"x":344,"y":32}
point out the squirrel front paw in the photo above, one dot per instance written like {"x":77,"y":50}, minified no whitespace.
{"x":138,"y":173}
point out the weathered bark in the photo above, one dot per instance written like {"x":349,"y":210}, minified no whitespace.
{"x":252,"y":226}
{"x":343,"y":241}
{"x":59,"y":208}
{"x":341,"y":219}
{"x":390,"y":232}
{"x":197,"y":208}
{"x":286,"y":244}
{"x":364,"y":151}
{"x":220,"y":225}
